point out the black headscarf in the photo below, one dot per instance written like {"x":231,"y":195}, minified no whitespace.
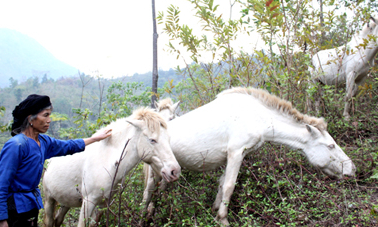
{"x":30,"y":106}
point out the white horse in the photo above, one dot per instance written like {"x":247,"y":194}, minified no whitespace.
{"x":167,"y":109}
{"x":85,"y":179}
{"x":348,"y":64}
{"x":237,"y":122}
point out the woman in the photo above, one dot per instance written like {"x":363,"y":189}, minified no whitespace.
{"x":22,"y":159}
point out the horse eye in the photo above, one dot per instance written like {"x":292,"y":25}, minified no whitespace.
{"x":153,"y":141}
{"x":332,"y":146}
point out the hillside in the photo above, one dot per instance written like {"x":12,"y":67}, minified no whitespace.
{"x":22,"y":57}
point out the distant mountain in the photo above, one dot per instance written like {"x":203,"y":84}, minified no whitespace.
{"x":22,"y":57}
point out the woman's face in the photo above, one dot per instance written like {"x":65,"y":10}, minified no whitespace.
{"x":42,"y":122}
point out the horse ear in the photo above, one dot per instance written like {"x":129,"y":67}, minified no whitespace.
{"x":312,"y":130}
{"x":136,"y":123}
{"x":156,"y":104}
{"x":174,"y":106}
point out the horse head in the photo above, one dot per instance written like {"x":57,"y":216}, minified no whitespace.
{"x":167,"y":109}
{"x":323,"y":152}
{"x":153,"y":144}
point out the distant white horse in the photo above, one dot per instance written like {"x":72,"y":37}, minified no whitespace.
{"x":348,"y":64}
{"x":85,"y":179}
{"x":236,"y":123}
{"x":167,"y":109}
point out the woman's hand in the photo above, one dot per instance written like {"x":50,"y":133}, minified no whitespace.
{"x":98,"y":136}
{"x":102,"y":134}
{"x":3,"y":223}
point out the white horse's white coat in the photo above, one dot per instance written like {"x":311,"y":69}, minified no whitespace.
{"x":348,"y":66}
{"x":238,"y":122}
{"x":85,"y":179}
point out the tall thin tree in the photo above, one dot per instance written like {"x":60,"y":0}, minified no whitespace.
{"x":101,"y":87}
{"x":155,"y":75}
{"x":322,"y":39}
{"x":83,"y":84}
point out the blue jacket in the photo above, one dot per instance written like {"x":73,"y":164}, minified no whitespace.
{"x":21,"y":166}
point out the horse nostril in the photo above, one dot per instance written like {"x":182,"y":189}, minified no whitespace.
{"x":173,"y":172}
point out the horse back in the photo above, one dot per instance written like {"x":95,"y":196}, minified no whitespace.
{"x":329,"y":66}
{"x":213,"y":129}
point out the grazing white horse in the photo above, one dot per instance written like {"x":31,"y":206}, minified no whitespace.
{"x":239,"y":121}
{"x":85,"y":179}
{"x":348,"y":64}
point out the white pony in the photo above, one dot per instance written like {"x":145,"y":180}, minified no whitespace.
{"x":167,"y":109}
{"x":348,"y":64}
{"x":239,"y":121}
{"x":85,"y":179}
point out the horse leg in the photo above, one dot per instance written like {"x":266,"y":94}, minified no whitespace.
{"x":150,"y":186}
{"x":86,"y":211}
{"x":234,"y":161}
{"x":314,"y":97}
{"x":95,"y":217}
{"x":98,"y":215}
{"x":318,"y":99}
{"x":311,"y":95}
{"x":50,"y":204}
{"x":218,"y":199}
{"x":150,"y":183}
{"x":351,"y":90}
{"x":59,"y":217}
{"x":308,"y":104}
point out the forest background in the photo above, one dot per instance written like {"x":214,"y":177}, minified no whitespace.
{"x":276,"y":186}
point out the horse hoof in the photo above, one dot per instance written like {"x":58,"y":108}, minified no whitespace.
{"x":222,"y":221}
{"x":215,"y":208}
{"x":347,"y":117}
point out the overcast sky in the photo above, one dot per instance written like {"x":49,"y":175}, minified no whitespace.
{"x":113,"y":36}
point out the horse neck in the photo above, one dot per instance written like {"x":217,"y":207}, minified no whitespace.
{"x":130,"y":160}
{"x":368,"y":53}
{"x":286,"y":131}
{"x":125,"y":158}
{"x":372,"y":47}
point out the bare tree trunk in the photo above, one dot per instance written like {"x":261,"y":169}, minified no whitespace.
{"x":83,"y":84}
{"x":101,"y":86}
{"x":230,"y":54}
{"x":321,"y":22}
{"x":155,"y":75}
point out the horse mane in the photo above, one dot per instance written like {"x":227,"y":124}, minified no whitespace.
{"x":279,"y":104}
{"x":153,"y":120}
{"x":164,"y":104}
